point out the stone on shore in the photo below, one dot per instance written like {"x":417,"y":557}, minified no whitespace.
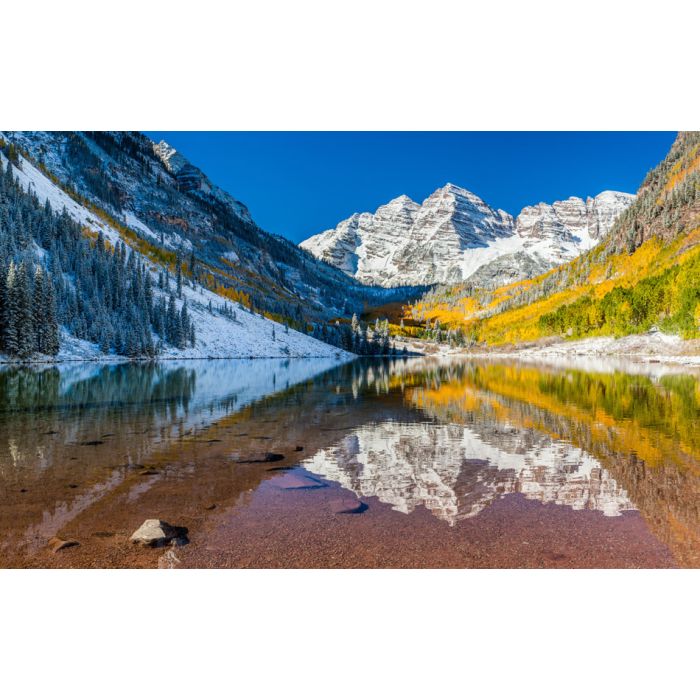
{"x":158,"y":533}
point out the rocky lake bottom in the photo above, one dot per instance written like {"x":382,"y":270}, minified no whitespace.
{"x":412,"y":463}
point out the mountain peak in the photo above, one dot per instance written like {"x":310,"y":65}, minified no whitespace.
{"x":171,"y":159}
{"x":454,"y":233}
{"x":401,"y":202}
{"x":456,"y":190}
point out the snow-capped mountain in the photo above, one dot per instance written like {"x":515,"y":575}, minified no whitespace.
{"x":455,"y":236}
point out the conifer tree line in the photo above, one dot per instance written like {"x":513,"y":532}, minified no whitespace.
{"x":52,"y":274}
{"x":357,"y":338}
{"x":28,"y":321}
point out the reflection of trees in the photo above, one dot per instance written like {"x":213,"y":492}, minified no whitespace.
{"x":115,"y":400}
{"x":155,"y":388}
{"x":644,"y":431}
{"x":115,"y":386}
{"x":22,"y":389}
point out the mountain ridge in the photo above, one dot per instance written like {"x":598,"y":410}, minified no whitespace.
{"x":153,"y":193}
{"x":454,"y":236}
{"x":644,"y":273}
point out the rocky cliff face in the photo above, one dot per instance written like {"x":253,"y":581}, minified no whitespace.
{"x":191,"y":179}
{"x":574,"y":220}
{"x":455,"y":236}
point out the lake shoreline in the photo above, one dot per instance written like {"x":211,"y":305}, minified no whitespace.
{"x":643,"y":349}
{"x":119,"y":359}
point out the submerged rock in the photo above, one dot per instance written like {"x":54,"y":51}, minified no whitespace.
{"x":158,"y":533}
{"x":169,"y":560}
{"x":57,"y":544}
{"x":267,"y":457}
{"x":348,"y":505}
{"x":297,"y":481}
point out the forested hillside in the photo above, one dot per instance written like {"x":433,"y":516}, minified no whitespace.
{"x":52,"y":272}
{"x":645,"y":272}
{"x":164,"y":206}
{"x":112,"y":227}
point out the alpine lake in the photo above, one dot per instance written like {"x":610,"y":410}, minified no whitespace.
{"x":411,"y":462}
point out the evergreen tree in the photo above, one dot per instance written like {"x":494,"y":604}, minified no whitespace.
{"x":193,"y":338}
{"x":10,"y":340}
{"x":39,"y":311}
{"x":178,"y":272}
{"x":25,"y":322}
{"x":184,"y":331}
{"x":172,"y":325}
{"x":193,"y":262}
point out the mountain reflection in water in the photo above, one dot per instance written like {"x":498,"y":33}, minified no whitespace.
{"x":456,"y":472}
{"x":89,"y":452}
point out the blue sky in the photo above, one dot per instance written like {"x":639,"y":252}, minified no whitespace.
{"x":300,"y":183}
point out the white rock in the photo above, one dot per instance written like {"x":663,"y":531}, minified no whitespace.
{"x":158,"y":533}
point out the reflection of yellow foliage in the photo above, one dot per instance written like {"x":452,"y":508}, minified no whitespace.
{"x":453,"y":396}
{"x":515,"y":395}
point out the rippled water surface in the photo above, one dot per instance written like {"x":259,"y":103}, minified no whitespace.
{"x":300,"y":463}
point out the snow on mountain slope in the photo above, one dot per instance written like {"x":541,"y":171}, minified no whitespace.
{"x":249,"y":335}
{"x":170,"y":204}
{"x":454,"y":236}
{"x":32,"y":179}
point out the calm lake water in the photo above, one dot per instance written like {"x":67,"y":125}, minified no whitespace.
{"x":402,"y":463}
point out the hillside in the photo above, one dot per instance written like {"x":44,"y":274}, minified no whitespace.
{"x":645,"y":272}
{"x":118,"y":200}
{"x":455,"y":236}
{"x":164,"y":205}
{"x":73,"y":286}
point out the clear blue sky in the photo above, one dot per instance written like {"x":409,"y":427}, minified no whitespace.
{"x":300,"y":183}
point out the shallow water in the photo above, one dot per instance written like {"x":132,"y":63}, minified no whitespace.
{"x":297,"y":463}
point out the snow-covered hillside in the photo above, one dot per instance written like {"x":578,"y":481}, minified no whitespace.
{"x":172,"y":205}
{"x":455,"y":236}
{"x":217,"y":334}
